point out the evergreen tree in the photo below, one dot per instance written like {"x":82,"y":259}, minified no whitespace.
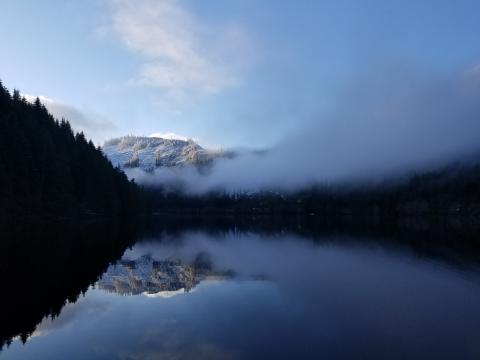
{"x":46,"y":169}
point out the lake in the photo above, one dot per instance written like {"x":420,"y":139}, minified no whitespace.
{"x":229,"y":290}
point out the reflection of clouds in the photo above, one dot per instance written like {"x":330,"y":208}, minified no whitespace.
{"x":362,"y":296}
{"x":160,"y":248}
{"x":166,"y":294}
{"x":173,"y":349}
{"x":299,"y":265}
{"x":246,"y":254}
{"x":90,"y":306}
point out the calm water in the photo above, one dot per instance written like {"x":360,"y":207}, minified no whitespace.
{"x":231,"y":294}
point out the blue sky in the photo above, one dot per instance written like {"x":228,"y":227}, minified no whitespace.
{"x":228,"y":73}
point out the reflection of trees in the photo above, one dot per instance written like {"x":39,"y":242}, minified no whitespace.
{"x":45,"y":266}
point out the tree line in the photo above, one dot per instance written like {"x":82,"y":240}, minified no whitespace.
{"x":452,"y":190}
{"x":48,"y":169}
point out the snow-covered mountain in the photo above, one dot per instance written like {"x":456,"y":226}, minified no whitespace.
{"x":149,"y":153}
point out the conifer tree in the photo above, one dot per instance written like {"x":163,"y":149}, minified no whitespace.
{"x":47,"y":169}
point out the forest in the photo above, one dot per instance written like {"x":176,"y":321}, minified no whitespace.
{"x":451,"y":190}
{"x":46,"y":169}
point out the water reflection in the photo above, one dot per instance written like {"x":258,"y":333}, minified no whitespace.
{"x":158,"y":277}
{"x":251,"y":292}
{"x":47,"y":265}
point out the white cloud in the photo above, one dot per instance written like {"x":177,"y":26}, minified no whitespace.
{"x":180,"y":54}
{"x":94,"y":126}
{"x":386,"y":123}
{"x":473,"y":74}
{"x":476,"y":69}
{"x":170,"y":136}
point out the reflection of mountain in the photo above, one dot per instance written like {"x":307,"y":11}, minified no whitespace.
{"x":160,"y":277}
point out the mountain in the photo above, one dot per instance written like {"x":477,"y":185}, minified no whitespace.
{"x":149,"y":153}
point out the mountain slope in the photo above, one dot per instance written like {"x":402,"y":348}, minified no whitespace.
{"x":47,"y":169}
{"x":149,"y":153}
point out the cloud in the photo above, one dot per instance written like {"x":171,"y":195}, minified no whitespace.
{"x":179,"y":53}
{"x":473,"y":73}
{"x":170,"y":136}
{"x":94,"y":126}
{"x":386,"y":122}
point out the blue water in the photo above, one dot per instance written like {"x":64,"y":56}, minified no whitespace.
{"x":254,"y":296}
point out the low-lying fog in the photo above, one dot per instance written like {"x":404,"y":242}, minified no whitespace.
{"x":387,"y":121}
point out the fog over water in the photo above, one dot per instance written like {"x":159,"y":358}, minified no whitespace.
{"x":389,"y":120}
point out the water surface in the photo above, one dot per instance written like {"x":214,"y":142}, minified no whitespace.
{"x":231,"y":294}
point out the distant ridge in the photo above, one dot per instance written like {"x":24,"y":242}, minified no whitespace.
{"x":149,"y":153}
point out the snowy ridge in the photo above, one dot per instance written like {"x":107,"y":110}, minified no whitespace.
{"x":149,"y":153}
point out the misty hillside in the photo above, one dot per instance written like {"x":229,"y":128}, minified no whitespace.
{"x":452,"y":190}
{"x":47,"y":169}
{"x":148,"y":153}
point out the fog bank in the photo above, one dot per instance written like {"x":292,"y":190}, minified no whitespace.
{"x":385,"y":122}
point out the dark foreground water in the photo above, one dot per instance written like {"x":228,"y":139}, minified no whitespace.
{"x":228,"y":292}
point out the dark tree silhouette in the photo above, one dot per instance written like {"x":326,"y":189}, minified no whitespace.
{"x":46,"y":169}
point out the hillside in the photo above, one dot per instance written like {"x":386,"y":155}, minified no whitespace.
{"x":452,"y":191}
{"x":46,"y":169}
